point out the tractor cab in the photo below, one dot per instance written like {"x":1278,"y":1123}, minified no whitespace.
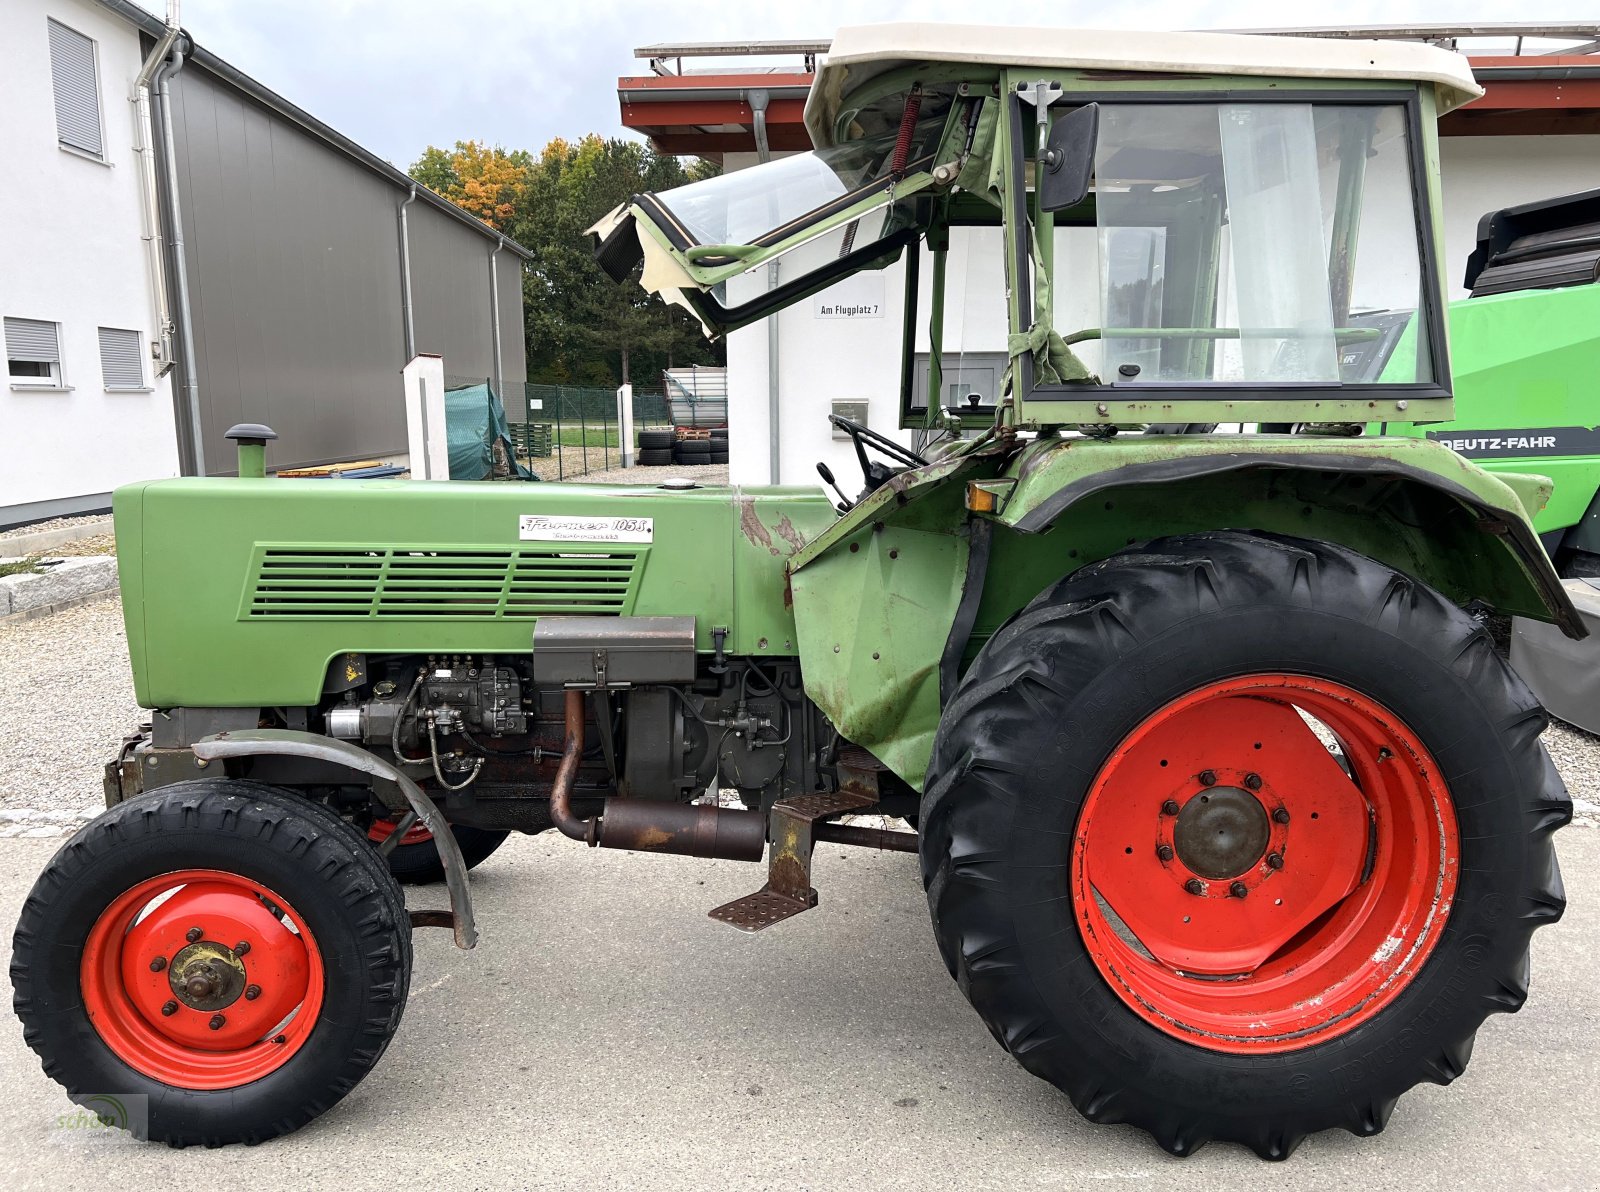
{"x":1192,"y":227}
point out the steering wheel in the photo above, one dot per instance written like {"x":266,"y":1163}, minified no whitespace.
{"x":876,"y":474}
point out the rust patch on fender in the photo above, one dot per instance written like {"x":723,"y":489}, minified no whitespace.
{"x":789,"y":534}
{"x":750,"y":526}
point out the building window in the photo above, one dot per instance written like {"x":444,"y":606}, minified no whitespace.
{"x":77,"y":88}
{"x":120,"y":362}
{"x":33,"y":353}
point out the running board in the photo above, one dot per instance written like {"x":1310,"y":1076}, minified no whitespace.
{"x":794,"y":834}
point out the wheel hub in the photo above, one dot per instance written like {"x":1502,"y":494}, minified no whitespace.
{"x":206,"y":976}
{"x":1222,"y":833}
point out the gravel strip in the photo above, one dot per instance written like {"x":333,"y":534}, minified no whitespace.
{"x":55,"y":523}
{"x":98,"y":544}
{"x":66,"y":693}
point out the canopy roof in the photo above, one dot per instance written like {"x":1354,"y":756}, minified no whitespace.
{"x":860,"y":52}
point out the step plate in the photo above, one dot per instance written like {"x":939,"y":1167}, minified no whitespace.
{"x":761,"y":909}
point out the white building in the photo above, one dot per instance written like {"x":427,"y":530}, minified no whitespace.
{"x":1534,"y":134}
{"x":85,"y":407}
{"x":150,"y":304}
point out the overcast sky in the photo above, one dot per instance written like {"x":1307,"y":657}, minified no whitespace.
{"x":399,"y":75}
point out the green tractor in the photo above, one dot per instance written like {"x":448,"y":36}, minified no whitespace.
{"x":1232,"y":822}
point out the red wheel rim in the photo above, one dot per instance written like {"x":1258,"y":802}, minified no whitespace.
{"x":202,"y":979}
{"x":1344,"y":880}
{"x":382,"y":829}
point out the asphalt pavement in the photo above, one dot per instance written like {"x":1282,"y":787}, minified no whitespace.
{"x":606,"y":1034}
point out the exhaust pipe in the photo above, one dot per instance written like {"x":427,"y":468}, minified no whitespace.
{"x":650,"y":825}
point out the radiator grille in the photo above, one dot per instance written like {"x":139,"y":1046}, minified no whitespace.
{"x":392,"y":582}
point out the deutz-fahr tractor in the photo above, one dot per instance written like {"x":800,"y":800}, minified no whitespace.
{"x":1232,"y":822}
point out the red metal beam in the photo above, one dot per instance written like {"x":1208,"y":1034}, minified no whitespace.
{"x":1510,"y":106}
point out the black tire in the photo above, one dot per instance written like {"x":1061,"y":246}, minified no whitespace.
{"x":657,"y":439}
{"x":419,"y":864}
{"x":694,"y":447}
{"x":1102,"y":651}
{"x":719,"y":432}
{"x":655,"y":459}
{"x":718,"y":457}
{"x":319,"y":864}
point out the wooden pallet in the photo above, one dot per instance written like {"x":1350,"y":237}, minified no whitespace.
{"x":692,"y":432}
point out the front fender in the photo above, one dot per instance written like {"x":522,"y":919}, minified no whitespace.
{"x":278,"y":742}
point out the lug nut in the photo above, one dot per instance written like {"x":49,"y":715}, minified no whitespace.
{"x":1170,"y":807}
{"x":1253,"y":781}
{"x":251,"y":992}
{"x":1164,"y":852}
{"x":1194,"y":886}
{"x":168,"y":1010}
{"x":1275,"y":860}
{"x":217,"y":1022}
{"x":241,"y":947}
{"x":1238,"y":889}
{"x":193,"y":935}
{"x":1281,"y":816}
{"x":159,"y":963}
{"x":1208,"y":778}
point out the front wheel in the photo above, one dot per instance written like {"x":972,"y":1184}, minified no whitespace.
{"x":216,"y":961}
{"x":1240,"y":837}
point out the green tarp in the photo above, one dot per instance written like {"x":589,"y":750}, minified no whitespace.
{"x":475,"y":422}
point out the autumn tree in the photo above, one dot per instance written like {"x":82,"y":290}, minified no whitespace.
{"x":582,"y":327}
{"x":482,"y":179}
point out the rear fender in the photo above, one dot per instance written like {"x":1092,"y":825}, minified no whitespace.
{"x":1409,"y":503}
{"x":895,"y":598}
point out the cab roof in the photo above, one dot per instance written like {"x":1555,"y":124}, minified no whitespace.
{"x":861,"y":52}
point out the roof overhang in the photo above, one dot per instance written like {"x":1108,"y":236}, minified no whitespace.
{"x":710,"y":114}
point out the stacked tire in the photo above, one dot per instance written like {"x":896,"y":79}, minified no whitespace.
{"x":719,"y":445}
{"x":692,"y":453}
{"x":655,"y":448}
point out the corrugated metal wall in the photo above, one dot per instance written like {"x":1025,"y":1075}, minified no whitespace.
{"x":451,"y":298}
{"x":294,"y":262}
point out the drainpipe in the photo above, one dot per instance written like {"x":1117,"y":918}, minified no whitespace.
{"x":189,"y":407}
{"x":150,"y":233}
{"x":758,"y":105}
{"x":405,"y":276}
{"x":494,"y":315}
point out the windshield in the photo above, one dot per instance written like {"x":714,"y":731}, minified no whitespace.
{"x":1251,"y":242}
{"x":776,"y":200}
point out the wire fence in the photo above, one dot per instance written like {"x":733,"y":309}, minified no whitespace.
{"x":561,"y":432}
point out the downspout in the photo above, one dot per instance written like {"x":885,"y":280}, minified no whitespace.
{"x":405,"y":276}
{"x":189,"y":407}
{"x":150,"y":233}
{"x":758,"y":105}
{"x":494,"y":315}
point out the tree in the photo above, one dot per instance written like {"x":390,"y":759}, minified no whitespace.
{"x":577,"y":315}
{"x":582,"y":328}
{"x":484,"y":180}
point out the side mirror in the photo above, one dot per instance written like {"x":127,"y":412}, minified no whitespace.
{"x":1067,"y":163}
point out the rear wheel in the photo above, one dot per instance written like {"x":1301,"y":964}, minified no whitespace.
{"x":235,"y":956}
{"x":415,"y":859}
{"x":1240,"y":837}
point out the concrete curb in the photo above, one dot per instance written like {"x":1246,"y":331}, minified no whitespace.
{"x":68,"y":582}
{"x":23,"y":545}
